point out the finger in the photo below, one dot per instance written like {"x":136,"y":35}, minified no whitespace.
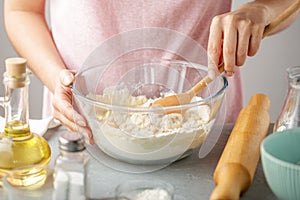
{"x":66,"y":77}
{"x":65,"y":108}
{"x":71,"y":126}
{"x":62,"y":103}
{"x":70,"y":118}
{"x":215,"y":43}
{"x":87,"y":132}
{"x":213,"y":71}
{"x":229,"y":48}
{"x":244,"y":34}
{"x":255,"y":39}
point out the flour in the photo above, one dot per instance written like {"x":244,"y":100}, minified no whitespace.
{"x":153,"y":194}
{"x":144,"y":135}
{"x":146,"y":123}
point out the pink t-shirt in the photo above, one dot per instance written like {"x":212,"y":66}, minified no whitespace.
{"x":80,"y":26}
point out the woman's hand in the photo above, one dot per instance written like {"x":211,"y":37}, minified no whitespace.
{"x":63,"y":108}
{"x":236,"y":35}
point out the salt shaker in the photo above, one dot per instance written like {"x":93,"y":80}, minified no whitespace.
{"x":73,"y":160}
{"x":289,"y":116}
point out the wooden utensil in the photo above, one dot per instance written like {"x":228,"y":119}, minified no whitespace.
{"x":236,"y":167}
{"x":186,"y":97}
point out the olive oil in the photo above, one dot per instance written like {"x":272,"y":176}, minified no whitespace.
{"x":19,"y":147}
{"x":23,"y":148}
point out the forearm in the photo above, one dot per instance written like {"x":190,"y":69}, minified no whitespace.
{"x":274,"y":8}
{"x":31,"y":38}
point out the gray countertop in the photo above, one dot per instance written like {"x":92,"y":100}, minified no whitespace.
{"x":192,"y":177}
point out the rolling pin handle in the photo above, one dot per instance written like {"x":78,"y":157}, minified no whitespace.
{"x":260,"y":100}
{"x":234,"y":179}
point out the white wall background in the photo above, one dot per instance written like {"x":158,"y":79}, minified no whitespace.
{"x":263,"y":73}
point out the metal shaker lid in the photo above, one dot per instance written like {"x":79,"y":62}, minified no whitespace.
{"x":71,"y":141}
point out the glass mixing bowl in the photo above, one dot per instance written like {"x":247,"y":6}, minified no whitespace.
{"x":116,"y":102}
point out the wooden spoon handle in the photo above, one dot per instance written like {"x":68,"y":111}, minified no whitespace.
{"x":282,"y":17}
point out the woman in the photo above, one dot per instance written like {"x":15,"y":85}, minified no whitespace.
{"x":79,"y":26}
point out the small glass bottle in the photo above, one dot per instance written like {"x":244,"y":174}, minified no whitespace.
{"x":19,"y":147}
{"x":289,"y":116}
{"x":72,"y":160}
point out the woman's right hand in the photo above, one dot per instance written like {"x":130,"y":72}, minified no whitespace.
{"x":63,"y":108}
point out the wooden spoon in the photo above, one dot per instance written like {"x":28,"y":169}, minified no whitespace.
{"x":186,"y":97}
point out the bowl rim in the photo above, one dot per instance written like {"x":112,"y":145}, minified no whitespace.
{"x":154,"y":108}
{"x":274,"y":159}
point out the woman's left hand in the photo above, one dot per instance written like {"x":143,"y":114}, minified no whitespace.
{"x":63,"y":107}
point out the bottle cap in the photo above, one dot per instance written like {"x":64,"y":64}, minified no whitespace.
{"x":15,"y":66}
{"x":71,"y":141}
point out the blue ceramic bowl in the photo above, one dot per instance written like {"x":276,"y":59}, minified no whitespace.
{"x":280,"y":155}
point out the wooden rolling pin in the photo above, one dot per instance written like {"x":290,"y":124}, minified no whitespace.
{"x":236,"y":167}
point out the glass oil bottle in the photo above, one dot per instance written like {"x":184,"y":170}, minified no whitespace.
{"x":19,"y":147}
{"x":289,"y":116}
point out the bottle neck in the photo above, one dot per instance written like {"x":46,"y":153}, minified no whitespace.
{"x":16,"y":106}
{"x":294,"y":77}
{"x":295,"y":82}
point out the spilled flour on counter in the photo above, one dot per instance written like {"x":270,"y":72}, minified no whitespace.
{"x":153,"y":194}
